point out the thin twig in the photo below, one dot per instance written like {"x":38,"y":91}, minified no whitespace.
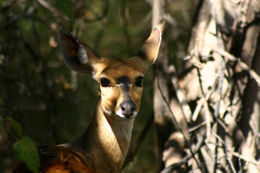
{"x":226,"y":150}
{"x":175,"y":122}
{"x":243,"y":65}
{"x":201,"y":102}
{"x":192,"y":129}
{"x":185,"y":159}
{"x":208,"y":118}
{"x":217,"y":109}
{"x":180,"y":95}
{"x":220,"y":86}
{"x":52,"y":9}
{"x":216,"y":156}
{"x":238,"y":155}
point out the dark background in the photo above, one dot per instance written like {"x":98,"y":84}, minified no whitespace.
{"x":48,"y":102}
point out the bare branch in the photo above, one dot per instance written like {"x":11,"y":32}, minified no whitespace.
{"x":255,"y":162}
{"x":185,"y":159}
{"x":226,"y":150}
{"x":178,"y":127}
{"x":52,"y":9}
{"x":240,"y":63}
{"x":201,"y":102}
{"x":197,"y":127}
{"x":180,"y":95}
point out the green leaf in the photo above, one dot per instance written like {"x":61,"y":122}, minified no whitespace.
{"x":17,"y":127}
{"x":26,"y":151}
{"x":66,"y":6}
{"x":1,"y":102}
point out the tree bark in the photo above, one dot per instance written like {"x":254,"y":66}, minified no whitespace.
{"x":224,"y":47}
{"x":161,"y":91}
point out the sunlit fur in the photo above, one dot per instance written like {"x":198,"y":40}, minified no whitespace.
{"x":111,"y":97}
{"x":104,"y":144}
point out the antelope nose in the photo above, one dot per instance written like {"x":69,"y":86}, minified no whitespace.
{"x":128,"y":108}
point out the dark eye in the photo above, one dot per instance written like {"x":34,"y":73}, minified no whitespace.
{"x":139,"y":81}
{"x":105,"y":82}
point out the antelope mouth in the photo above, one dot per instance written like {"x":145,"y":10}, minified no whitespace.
{"x":129,"y":116}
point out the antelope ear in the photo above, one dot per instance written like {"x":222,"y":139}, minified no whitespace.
{"x":77,"y":56}
{"x":150,"y":48}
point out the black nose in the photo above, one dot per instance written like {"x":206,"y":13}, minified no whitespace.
{"x":128,"y":108}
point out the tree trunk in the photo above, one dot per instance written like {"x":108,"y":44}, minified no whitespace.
{"x":167,"y":122}
{"x":221,"y":85}
{"x":161,"y":91}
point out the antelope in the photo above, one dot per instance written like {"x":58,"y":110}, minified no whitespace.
{"x":104,"y":144}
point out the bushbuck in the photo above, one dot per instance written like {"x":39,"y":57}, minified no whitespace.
{"x":104,"y":144}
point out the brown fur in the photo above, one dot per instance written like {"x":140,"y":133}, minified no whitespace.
{"x":104,"y":145}
{"x":58,"y":159}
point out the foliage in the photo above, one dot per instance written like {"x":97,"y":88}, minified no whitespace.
{"x":66,"y":6}
{"x":26,"y":151}
{"x":17,"y":127}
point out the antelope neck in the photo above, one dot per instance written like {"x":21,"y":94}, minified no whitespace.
{"x":105,"y":142}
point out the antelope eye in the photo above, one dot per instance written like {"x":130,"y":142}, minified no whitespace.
{"x":139,"y":81}
{"x":104,"y":82}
